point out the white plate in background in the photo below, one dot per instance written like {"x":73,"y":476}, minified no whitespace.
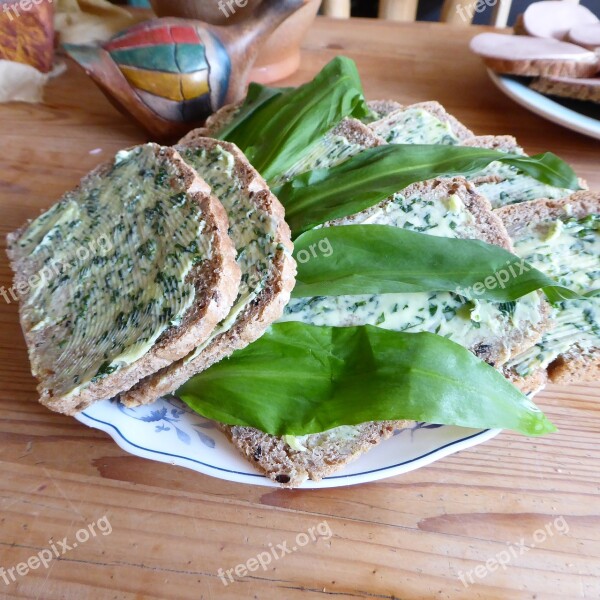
{"x":559,"y":112}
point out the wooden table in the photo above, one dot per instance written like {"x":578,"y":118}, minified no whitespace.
{"x":172,"y":529}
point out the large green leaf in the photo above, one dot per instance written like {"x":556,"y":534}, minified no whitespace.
{"x":380,"y":259}
{"x":242,"y":129}
{"x":299,"y":379}
{"x":287,"y":125}
{"x":366,"y":179}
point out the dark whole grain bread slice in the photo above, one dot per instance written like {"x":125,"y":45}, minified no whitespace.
{"x":587,"y":90}
{"x":575,"y":365}
{"x":385,"y":126}
{"x":62,"y":352}
{"x":267,"y":278}
{"x":324,"y":454}
{"x":534,"y":57}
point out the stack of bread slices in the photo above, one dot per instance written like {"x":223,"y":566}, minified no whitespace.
{"x":200,"y":264}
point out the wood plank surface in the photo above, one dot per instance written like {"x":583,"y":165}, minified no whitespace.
{"x":536,"y":501}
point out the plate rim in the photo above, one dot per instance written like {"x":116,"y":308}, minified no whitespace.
{"x":546,"y":107}
{"x":256,"y":478}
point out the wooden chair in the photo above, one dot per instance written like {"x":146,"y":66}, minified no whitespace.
{"x":394,"y":10}
{"x":460,"y":12}
{"x":457,"y":12}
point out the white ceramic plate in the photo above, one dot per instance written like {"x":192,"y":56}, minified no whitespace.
{"x":168,"y":431}
{"x":567,"y":113}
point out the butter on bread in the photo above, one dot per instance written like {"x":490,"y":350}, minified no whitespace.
{"x":144,"y":271}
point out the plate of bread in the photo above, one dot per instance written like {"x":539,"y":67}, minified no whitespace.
{"x":551,"y":65}
{"x":313,"y":289}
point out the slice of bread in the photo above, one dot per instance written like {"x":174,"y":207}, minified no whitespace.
{"x":313,"y":456}
{"x":534,"y":57}
{"x":114,"y":311}
{"x":503,"y":184}
{"x":422,"y":123}
{"x":570,"y":351}
{"x":263,"y":241}
{"x":587,"y":90}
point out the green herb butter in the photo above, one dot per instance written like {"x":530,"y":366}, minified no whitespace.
{"x":568,"y":250}
{"x":108,"y":268}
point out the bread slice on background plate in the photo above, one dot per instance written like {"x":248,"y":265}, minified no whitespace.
{"x":554,"y":237}
{"x":263,"y":242}
{"x":124,"y":275}
{"x":493,"y":332}
{"x":587,"y":90}
{"x":534,"y":57}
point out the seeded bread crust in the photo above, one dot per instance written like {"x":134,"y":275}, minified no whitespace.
{"x":504,"y":143}
{"x":543,"y":68}
{"x":216,"y":282}
{"x":432,"y":107}
{"x":291,"y":468}
{"x":258,"y":315}
{"x":384,"y":107}
{"x":576,"y":365}
{"x":217,"y":120}
{"x":579,"y":90}
{"x":532,"y":383}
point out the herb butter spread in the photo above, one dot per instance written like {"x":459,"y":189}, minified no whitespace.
{"x":415,"y":126}
{"x":568,"y":250}
{"x":470,"y":324}
{"x":107,"y":268}
{"x":251,"y":228}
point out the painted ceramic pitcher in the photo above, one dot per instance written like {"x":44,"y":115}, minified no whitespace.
{"x":170,"y":74}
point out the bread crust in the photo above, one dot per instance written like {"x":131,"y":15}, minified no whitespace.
{"x":290,"y":468}
{"x":257,"y":316}
{"x":384,"y":107}
{"x":543,"y":68}
{"x":579,"y":90}
{"x":216,"y":283}
{"x":504,"y":143}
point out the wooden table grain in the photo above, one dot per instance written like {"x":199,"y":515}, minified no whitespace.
{"x":532,"y":504}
